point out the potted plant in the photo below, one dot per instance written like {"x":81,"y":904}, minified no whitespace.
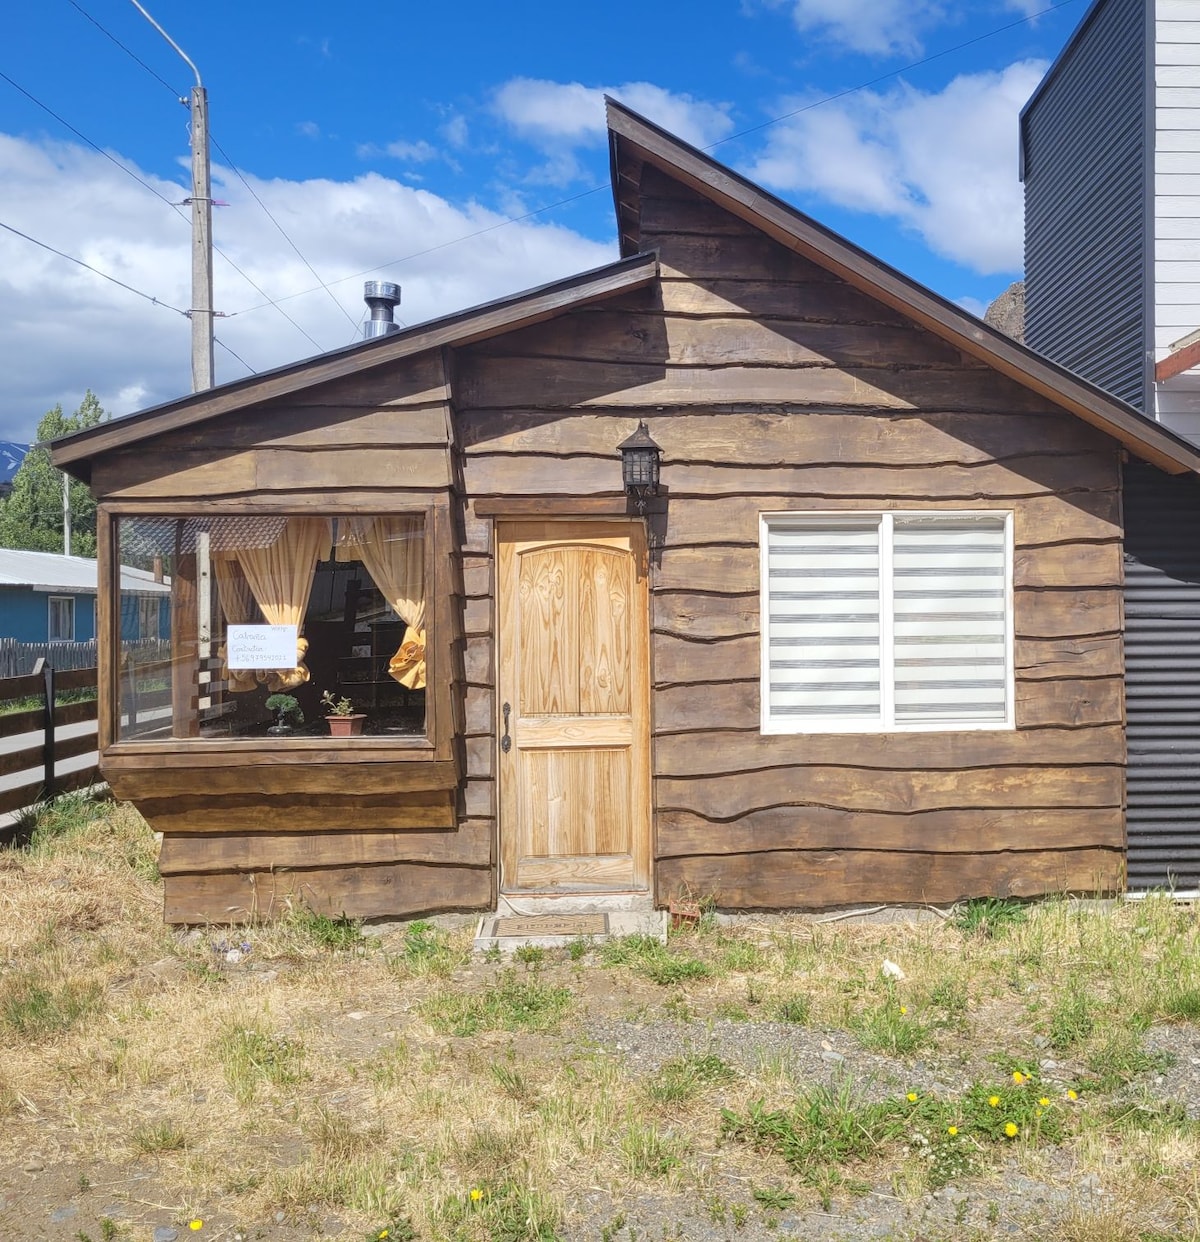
{"x":287,"y":713}
{"x":341,"y":717}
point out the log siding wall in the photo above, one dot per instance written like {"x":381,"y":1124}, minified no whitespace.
{"x":363,"y":831}
{"x":773,"y":386}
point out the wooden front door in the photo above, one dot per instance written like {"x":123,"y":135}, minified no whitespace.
{"x":574,"y":706}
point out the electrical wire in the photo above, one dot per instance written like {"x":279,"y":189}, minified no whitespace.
{"x":269,"y":301}
{"x":71,"y":258}
{"x":153,"y":73}
{"x":262,"y":292}
{"x":283,"y":233}
{"x":229,"y":350}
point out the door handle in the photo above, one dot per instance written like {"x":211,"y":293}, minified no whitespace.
{"x":506,"y":741}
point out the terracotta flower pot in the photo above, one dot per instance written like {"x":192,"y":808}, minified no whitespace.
{"x":346,"y":726}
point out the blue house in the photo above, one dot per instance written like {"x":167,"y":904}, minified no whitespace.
{"x":11,"y":457}
{"x":48,"y":597}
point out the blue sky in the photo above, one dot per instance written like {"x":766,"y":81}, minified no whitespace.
{"x":373,"y":133}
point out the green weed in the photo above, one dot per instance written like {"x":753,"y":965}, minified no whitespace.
{"x":502,"y":1211}
{"x":252,"y":1057}
{"x":512,"y":1003}
{"x":647,"y":1153}
{"x":795,"y":1009}
{"x":988,"y":917}
{"x":328,"y":933}
{"x":33,"y":1003}
{"x":685,"y":1077}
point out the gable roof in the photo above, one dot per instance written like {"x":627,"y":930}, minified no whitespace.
{"x":73,"y":452}
{"x":634,"y":140}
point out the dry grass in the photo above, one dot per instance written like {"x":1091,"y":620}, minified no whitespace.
{"x":356,"y":1085}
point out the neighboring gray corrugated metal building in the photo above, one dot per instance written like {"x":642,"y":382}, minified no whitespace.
{"x":1085,"y":163}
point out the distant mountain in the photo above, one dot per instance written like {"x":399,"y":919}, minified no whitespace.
{"x":11,"y":456}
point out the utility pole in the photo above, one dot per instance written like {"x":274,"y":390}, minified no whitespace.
{"x":201,"y":312}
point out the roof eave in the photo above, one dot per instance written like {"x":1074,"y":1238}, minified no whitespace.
{"x":791,"y":228}
{"x":74,"y":453}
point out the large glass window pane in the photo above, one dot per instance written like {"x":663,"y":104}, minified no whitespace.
{"x":262,"y":616}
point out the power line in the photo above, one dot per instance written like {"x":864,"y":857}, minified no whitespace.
{"x":153,"y":73}
{"x":269,"y":301}
{"x":284,"y":234}
{"x":71,"y":258}
{"x":228,"y":350}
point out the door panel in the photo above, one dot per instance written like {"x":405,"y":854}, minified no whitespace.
{"x":573,"y":670}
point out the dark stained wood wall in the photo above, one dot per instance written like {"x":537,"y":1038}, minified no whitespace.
{"x":772,"y":385}
{"x":357,"y":828}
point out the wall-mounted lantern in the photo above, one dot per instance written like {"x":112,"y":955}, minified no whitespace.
{"x":639,"y":466}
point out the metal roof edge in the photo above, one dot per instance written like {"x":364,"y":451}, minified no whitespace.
{"x":871,"y":275}
{"x":461,"y":327}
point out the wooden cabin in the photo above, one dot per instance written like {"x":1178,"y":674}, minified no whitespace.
{"x":863,"y":642}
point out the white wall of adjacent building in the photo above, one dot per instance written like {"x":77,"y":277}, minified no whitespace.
{"x":1177,"y":204}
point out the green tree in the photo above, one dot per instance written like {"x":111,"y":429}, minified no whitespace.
{"x":31,"y":515}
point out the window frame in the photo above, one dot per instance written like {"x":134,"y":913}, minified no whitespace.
{"x":885,"y":722}
{"x":434,"y":748}
{"x":69,"y":600}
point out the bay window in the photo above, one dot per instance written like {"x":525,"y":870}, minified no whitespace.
{"x":281,"y":605}
{"x":886,"y":621}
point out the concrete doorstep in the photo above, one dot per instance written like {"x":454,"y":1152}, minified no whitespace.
{"x":555,"y":922}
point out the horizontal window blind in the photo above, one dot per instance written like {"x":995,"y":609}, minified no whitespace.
{"x":886,"y":621}
{"x":949,"y":625}
{"x":824,"y":601}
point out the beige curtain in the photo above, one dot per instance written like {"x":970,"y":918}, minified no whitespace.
{"x":393,"y":551}
{"x":280,"y":577}
{"x":237,"y":603}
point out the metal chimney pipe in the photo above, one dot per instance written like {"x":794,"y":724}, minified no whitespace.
{"x":382,"y":297}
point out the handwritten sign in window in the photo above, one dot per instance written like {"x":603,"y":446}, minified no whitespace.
{"x":261,"y":646}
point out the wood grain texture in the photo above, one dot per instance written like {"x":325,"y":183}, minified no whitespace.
{"x":1031,"y":474}
{"x":247,"y":814}
{"x":203,"y":854}
{"x":572,"y":611}
{"x":854,"y":788}
{"x":149,"y":473}
{"x":156,"y":779}
{"x":705,"y":753}
{"x":823,"y":879}
{"x":395,"y":890}
{"x":536,"y":383}
{"x":778,"y":438}
{"x":958,"y":831}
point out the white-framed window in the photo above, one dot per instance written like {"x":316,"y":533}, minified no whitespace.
{"x":61,"y":623}
{"x":149,"y":609}
{"x":876,"y":622}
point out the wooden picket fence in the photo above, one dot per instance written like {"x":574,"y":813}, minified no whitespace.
{"x":18,"y":659}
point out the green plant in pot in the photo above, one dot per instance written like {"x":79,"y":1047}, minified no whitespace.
{"x":340,"y":715}
{"x":287,"y":714}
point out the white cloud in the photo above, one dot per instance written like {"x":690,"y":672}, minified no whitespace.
{"x":413,"y":152}
{"x":873,"y":27}
{"x":455,"y":131}
{"x":557,"y":117}
{"x":63,"y":330}
{"x":308,"y":129}
{"x":943,"y":164}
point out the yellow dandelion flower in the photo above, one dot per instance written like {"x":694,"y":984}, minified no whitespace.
{"x":1018,"y":1077}
{"x":1012,"y":1129}
{"x":383,"y":1233}
{"x":1044,"y":1101}
{"x":952,"y":1130}
{"x":903,"y":1009}
{"x":476,"y":1195}
{"x":994,"y":1101}
{"x":912,"y":1097}
{"x":195,"y":1225}
{"x":1072,"y":1095}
